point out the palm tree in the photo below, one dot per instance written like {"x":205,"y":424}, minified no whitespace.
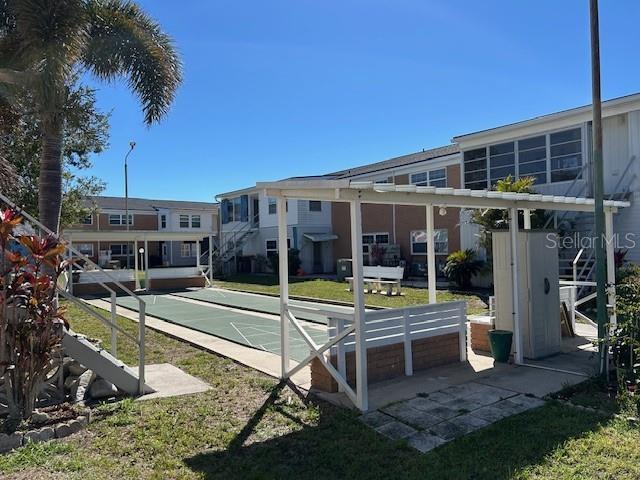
{"x":43,"y":43}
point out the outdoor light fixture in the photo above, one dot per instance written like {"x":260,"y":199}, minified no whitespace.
{"x":141,"y":250}
{"x":442,"y":211}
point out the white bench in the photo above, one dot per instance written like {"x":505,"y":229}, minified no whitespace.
{"x":383,"y":279}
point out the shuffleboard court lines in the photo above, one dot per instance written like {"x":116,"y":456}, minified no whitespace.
{"x":250,"y":329}
{"x":259,"y":303}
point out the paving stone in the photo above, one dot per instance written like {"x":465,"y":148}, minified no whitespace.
{"x":447,"y":430}
{"x":412,"y":416}
{"x":469,"y":423}
{"x":425,"y":441}
{"x":396,"y":430}
{"x":463,"y":405}
{"x":422,"y":403}
{"x":489,"y":395}
{"x":444,"y":412}
{"x":375,"y":419}
{"x":525,"y":402}
{"x":440,"y":397}
{"x":492,"y":413}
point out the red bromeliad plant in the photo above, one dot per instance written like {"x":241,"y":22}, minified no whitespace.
{"x":31,"y":323}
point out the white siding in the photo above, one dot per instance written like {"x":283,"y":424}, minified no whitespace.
{"x":615,"y":151}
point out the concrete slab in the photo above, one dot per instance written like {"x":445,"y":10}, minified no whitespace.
{"x":169,"y":381}
{"x":528,"y":380}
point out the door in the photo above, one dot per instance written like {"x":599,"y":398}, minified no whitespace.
{"x":317,"y":258}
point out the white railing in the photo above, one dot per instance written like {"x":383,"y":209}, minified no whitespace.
{"x":85,"y":264}
{"x":381,"y":327}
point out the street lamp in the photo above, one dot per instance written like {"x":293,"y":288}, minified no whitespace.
{"x":132,"y":145}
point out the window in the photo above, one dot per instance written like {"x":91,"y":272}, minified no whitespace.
{"x":87,"y":220}
{"x":85,"y":249}
{"x":566,"y":155}
{"x":184,"y":221}
{"x":532,"y":158}
{"x":433,"y":178}
{"x":119,"y":249}
{"x":475,"y":168}
{"x":315,"y":206}
{"x":188,"y":249}
{"x":373,"y":238}
{"x":237,"y":207}
{"x":273,"y":207}
{"x":163,"y":221}
{"x":440,"y":242}
{"x":195,"y":221}
{"x":271,"y":246}
{"x":120,"y":219}
{"x":502,"y":160}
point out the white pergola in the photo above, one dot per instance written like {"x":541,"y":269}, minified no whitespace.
{"x":143,"y":237}
{"x":357,"y":193}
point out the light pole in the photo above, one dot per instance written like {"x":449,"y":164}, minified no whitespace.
{"x":598,"y":187}
{"x":132,"y":145}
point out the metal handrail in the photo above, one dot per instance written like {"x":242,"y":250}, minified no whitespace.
{"x":76,"y":255}
{"x":575,"y":264}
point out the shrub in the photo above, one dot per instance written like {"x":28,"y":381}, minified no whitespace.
{"x":625,"y":340}
{"x":31,"y":323}
{"x":294,"y":262}
{"x":461,"y":266}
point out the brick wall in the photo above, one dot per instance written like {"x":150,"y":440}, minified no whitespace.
{"x":176,"y":283}
{"x":379,"y":218}
{"x":480,"y":337}
{"x":88,"y":289}
{"x":387,"y":362}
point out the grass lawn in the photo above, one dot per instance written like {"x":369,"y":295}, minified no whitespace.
{"x":248,"y":427}
{"x":332,"y":290}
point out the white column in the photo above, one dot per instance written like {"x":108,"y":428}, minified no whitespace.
{"x":198,"y":256}
{"x":70,"y":271}
{"x":136,"y":281}
{"x":527,"y":218}
{"x":146,"y":263}
{"x":362,"y":390}
{"x":611,"y":265}
{"x":431,"y":256}
{"x":283,"y":267}
{"x":211,"y":258}
{"x":517,"y":331}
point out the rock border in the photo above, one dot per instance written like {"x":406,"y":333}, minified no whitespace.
{"x":43,"y":434}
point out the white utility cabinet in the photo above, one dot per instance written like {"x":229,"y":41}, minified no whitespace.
{"x":539,"y":290}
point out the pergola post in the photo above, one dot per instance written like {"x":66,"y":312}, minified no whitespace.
{"x":611,"y":265}
{"x":198,"y":256}
{"x":210,"y":258}
{"x":527,"y":218}
{"x":146,"y":264}
{"x":517,"y":331}
{"x":362,"y":391}
{"x":136,"y":280}
{"x":283,"y":269}
{"x":431,"y":256}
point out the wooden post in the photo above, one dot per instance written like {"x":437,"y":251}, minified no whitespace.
{"x":114,"y":319}
{"x":611,"y":267}
{"x":527,"y":218}
{"x":210,"y":258}
{"x":283,"y":266}
{"x":136,"y":280}
{"x":462,"y":334}
{"x":340,"y":352}
{"x":362,"y":390}
{"x":431,"y":256}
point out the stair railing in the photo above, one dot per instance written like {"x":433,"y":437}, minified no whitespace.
{"x":80,"y":260}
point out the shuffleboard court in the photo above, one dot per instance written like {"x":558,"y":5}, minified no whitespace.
{"x":260,"y":303}
{"x":249,"y":329}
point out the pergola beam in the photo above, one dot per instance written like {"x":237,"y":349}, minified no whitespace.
{"x":431,"y":256}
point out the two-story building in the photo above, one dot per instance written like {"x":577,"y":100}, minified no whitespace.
{"x":174,"y":226}
{"x":555,"y":149}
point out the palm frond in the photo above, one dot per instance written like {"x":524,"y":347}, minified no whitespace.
{"x":123,"y":40}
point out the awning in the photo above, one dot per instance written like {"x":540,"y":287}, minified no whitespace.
{"x":321,"y":237}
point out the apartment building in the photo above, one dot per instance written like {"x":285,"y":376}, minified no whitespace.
{"x":555,"y":149}
{"x":177,"y":227}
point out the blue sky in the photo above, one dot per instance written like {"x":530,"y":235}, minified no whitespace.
{"x":281,"y":88}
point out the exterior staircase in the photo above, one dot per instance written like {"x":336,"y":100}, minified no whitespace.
{"x":102,"y":363}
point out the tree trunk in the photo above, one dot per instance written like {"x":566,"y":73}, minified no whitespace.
{"x":50,"y":181}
